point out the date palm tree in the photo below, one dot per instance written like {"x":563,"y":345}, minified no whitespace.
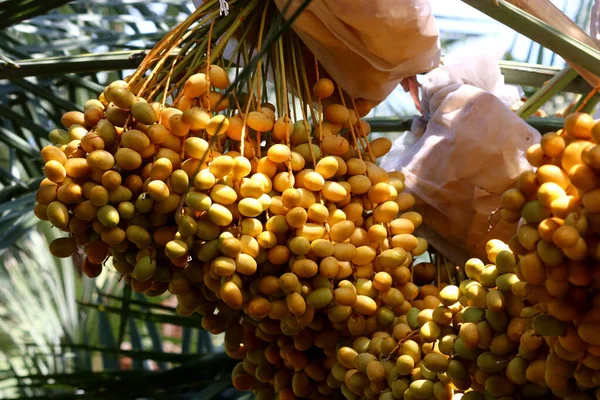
{"x":61,"y":334}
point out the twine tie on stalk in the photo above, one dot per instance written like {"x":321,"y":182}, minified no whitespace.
{"x":223,"y":7}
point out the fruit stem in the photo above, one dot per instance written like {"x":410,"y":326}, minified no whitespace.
{"x":586,"y":105}
{"x":281,"y":64}
{"x":259,"y":64}
{"x":307,"y":93}
{"x":362,"y":136}
{"x":401,"y":342}
{"x":208,"y":58}
{"x":319,"y":107}
{"x":448,"y":270}
{"x":303,"y":99}
{"x":490,"y":217}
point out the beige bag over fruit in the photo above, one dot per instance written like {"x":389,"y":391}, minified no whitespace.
{"x":471,"y":150}
{"x":369,"y":46}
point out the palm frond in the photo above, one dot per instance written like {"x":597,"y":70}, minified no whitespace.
{"x":542,"y":33}
{"x":50,"y":340}
{"x":15,"y":11}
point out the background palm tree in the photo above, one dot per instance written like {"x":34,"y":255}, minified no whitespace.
{"x":63,"y":335}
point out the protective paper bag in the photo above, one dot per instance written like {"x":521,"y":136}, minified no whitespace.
{"x":366,"y":46}
{"x":369,"y":46}
{"x":471,"y":150}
